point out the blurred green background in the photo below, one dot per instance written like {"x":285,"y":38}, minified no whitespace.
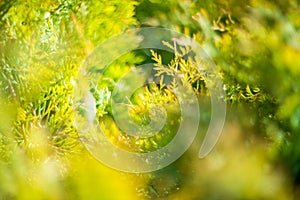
{"x":256,"y":47}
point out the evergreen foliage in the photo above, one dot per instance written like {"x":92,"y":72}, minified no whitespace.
{"x":255,"y":46}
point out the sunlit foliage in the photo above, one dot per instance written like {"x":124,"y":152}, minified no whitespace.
{"x":256,"y":46}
